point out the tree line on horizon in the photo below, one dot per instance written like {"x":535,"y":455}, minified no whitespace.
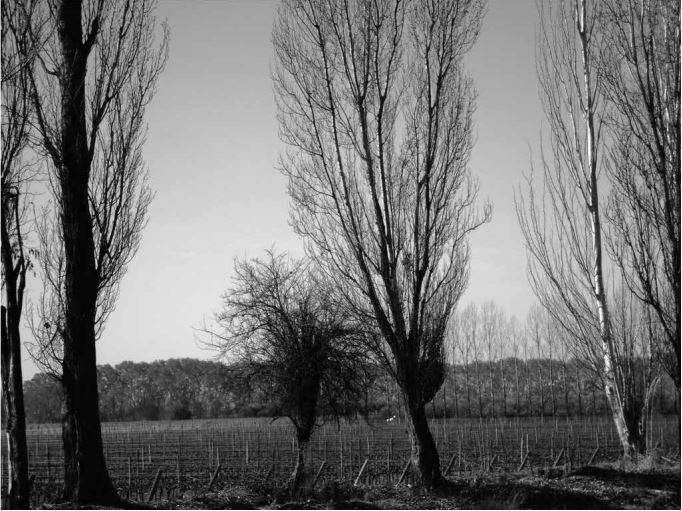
{"x":184,"y":389}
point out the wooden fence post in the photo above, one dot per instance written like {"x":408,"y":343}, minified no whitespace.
{"x":594,"y":454}
{"x":155,"y":484}
{"x":319,"y":473}
{"x":213,"y":478}
{"x":558,"y":458}
{"x":523,"y":463}
{"x":490,"y":465}
{"x":452,"y":461}
{"x":362,"y":469}
{"x":402,"y":476}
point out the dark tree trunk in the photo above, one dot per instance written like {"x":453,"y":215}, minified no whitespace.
{"x":14,"y":282}
{"x":424,"y":454}
{"x":298,"y":475}
{"x":13,"y":397}
{"x":86,"y":479}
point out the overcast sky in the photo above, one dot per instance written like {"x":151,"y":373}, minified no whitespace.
{"x":212,"y":148}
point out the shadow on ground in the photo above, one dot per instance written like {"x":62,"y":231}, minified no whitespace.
{"x":654,"y":481}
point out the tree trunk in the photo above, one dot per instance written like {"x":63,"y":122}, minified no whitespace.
{"x":13,"y":396}
{"x":86,"y":478}
{"x":302,"y":453}
{"x":14,"y":283}
{"x":424,"y":454}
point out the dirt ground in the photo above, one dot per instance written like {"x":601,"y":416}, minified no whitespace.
{"x":593,"y":487}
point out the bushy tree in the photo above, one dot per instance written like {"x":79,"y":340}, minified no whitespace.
{"x":280,"y":321}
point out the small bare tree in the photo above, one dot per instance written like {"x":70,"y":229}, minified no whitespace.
{"x":377,"y":112}
{"x":98,"y":71}
{"x":515,"y":341}
{"x":464,"y":349}
{"x":491,"y":329}
{"x":281,"y":322}
{"x":535,"y":321}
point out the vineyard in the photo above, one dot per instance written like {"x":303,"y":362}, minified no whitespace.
{"x":164,"y":460}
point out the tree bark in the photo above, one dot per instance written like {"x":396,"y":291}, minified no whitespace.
{"x":86,"y":478}
{"x":423,"y":454}
{"x":13,"y":396}
{"x":609,"y":377}
{"x":14,"y":282}
{"x":302,"y":453}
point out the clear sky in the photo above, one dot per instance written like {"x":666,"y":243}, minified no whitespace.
{"x":212,"y":148}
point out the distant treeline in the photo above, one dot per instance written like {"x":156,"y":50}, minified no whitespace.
{"x":194,"y":389}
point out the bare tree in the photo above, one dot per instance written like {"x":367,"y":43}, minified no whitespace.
{"x":377,"y":112}
{"x":515,"y":334}
{"x":550,"y":333}
{"x":281,"y":322}
{"x":641,"y":68}
{"x":455,"y":340}
{"x":97,"y":73}
{"x":18,"y":172}
{"x":534,"y":327}
{"x":525,"y":340}
{"x":471,"y":324}
{"x":492,"y":319}
{"x":563,"y":340}
{"x":563,"y":226}
{"x":464,"y":345}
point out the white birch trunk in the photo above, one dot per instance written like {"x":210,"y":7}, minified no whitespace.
{"x":609,"y":377}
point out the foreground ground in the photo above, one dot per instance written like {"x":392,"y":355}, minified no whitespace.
{"x":594,"y":487}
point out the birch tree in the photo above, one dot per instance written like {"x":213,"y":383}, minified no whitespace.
{"x":561,"y":219}
{"x":377,"y":112}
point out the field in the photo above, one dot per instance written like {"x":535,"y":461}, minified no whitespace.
{"x":183,"y":456}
